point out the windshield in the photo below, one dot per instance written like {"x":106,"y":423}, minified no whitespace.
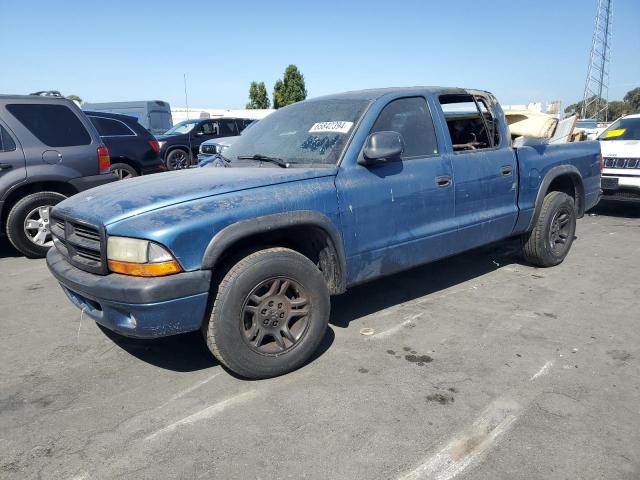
{"x":313,"y":131}
{"x":182,"y":127}
{"x":622,"y":129}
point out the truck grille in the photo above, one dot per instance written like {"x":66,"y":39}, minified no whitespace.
{"x":82,"y":244}
{"x":209,"y":149}
{"x":614,"y":162}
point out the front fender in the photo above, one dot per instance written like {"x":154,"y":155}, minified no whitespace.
{"x":235,"y":232}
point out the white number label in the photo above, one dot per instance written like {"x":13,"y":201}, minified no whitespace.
{"x":332,"y":127}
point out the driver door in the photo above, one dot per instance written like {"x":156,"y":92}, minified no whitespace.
{"x":399,"y":213}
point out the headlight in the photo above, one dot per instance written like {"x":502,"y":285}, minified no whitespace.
{"x":140,"y":258}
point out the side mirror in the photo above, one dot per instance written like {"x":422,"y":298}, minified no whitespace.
{"x":380,"y":147}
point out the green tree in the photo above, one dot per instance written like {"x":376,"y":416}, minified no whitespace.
{"x":617,"y":109}
{"x":75,"y":98}
{"x":278,"y":94}
{"x":258,"y":97}
{"x":633,"y":99}
{"x":290,"y":89}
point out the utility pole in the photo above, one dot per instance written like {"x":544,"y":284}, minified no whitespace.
{"x":596,"y":88}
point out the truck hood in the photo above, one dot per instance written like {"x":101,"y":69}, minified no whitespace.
{"x":116,"y":201}
{"x":620,"y":148}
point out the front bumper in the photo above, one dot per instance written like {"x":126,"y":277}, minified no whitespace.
{"x":134,"y":306}
{"x":620,"y":187}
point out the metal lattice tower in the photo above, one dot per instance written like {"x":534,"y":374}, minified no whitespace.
{"x":596,"y":89}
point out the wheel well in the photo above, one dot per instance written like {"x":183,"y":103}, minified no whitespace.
{"x":572,"y":186}
{"x":311,"y":241}
{"x":29,"y":188}
{"x":127,"y":161}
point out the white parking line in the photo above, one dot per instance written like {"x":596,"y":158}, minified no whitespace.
{"x":206,"y":413}
{"x":190,"y":389}
{"x":468,"y":447}
{"x":400,"y":326}
{"x":543,"y":371}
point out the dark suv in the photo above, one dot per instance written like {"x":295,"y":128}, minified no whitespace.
{"x":180,"y":144}
{"x":133,"y":150}
{"x":49,"y":150}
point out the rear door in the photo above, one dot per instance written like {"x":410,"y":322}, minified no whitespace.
{"x":484,"y":168}
{"x":12,"y":163}
{"x":117,"y":136}
{"x":56,"y":141}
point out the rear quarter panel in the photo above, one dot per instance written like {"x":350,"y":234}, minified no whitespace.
{"x":538,"y":162}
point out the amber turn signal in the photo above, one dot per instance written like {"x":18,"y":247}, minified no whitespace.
{"x":159,"y":269}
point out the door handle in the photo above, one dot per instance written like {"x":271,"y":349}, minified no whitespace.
{"x":5,"y":166}
{"x":506,"y":170}
{"x":443,"y":181}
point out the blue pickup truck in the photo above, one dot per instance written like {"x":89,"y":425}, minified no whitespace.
{"x":321,"y":195}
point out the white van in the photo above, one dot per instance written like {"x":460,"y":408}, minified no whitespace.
{"x":154,"y":115}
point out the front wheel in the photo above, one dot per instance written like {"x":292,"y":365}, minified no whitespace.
{"x":550,"y":240}
{"x":28,"y":223}
{"x":270,"y":314}
{"x":178,"y":159}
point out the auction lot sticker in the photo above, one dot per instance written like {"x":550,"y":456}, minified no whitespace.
{"x":331,"y":127}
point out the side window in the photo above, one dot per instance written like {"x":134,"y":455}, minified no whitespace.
{"x":228,"y":128}
{"x":210,"y":128}
{"x":6,"y":142}
{"x":111,"y":128}
{"x":53,"y":125}
{"x":410,"y":117}
{"x":472,"y":126}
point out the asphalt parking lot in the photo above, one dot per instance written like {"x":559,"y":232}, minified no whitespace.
{"x":479,"y":367}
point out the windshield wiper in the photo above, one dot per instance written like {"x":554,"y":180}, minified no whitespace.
{"x":265,"y":158}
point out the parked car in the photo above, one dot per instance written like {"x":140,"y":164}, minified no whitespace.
{"x":154,"y":115}
{"x":339,"y":190}
{"x":133,"y":150}
{"x":216,"y":146}
{"x":49,"y":150}
{"x":620,"y":144}
{"x":179,"y":145}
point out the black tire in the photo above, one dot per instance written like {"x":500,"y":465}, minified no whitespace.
{"x":16,"y":223}
{"x":550,"y":240}
{"x":123,"y":170}
{"x":229,"y":327}
{"x":178,"y":159}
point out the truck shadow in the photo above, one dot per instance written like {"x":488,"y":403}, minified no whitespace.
{"x":188,"y":352}
{"x":7,"y":250}
{"x":617,"y":209}
{"x":386,"y":292}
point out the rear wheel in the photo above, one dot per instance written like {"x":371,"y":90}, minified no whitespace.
{"x":550,"y":240}
{"x":270,"y":314}
{"x":123,"y":171}
{"x":28,"y":223}
{"x":178,"y":159}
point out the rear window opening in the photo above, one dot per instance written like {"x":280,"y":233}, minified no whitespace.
{"x":471,"y":123}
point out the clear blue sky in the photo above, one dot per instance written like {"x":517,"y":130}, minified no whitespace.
{"x":521,"y":50}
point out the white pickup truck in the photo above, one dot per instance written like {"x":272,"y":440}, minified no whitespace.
{"x":620,"y":144}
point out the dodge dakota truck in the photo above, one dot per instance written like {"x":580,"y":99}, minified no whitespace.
{"x":321,"y":195}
